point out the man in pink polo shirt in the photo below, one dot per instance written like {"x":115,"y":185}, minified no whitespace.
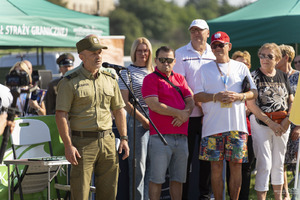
{"x":170,"y":104}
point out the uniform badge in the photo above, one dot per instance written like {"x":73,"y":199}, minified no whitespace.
{"x":95,"y":40}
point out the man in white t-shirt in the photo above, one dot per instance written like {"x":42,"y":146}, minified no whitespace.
{"x":189,"y":59}
{"x":224,"y":131}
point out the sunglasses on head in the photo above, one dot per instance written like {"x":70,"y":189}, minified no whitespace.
{"x":168,"y":60}
{"x":295,"y":62}
{"x":221,"y":45}
{"x":263,"y":56}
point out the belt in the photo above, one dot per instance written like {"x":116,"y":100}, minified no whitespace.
{"x":94,"y":134}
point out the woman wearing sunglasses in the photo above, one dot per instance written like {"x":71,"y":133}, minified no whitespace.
{"x":270,"y":123}
{"x":141,"y":57}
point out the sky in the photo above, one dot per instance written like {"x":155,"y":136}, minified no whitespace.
{"x":232,"y":2}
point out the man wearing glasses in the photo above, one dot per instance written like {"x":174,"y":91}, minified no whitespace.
{"x":224,"y":133}
{"x":170,"y":105}
{"x":189,"y":59}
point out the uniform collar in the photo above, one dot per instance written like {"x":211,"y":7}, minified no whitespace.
{"x":87,"y":73}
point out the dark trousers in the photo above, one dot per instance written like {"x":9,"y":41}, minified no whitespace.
{"x":194,"y":129}
{"x":246,"y":172}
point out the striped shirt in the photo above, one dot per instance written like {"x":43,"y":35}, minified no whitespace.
{"x":137,"y":76}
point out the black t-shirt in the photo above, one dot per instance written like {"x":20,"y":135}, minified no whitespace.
{"x":273,"y":92}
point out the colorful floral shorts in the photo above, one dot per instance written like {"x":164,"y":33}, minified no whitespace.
{"x":233,"y":144}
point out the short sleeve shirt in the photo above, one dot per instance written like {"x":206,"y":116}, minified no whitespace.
{"x":273,"y":92}
{"x":89,"y":100}
{"x":188,"y":62}
{"x":154,"y":86}
{"x":137,"y":75}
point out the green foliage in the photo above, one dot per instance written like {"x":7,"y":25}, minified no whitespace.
{"x":160,"y":21}
{"x":125,"y":23}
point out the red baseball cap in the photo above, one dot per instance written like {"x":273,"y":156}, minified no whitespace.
{"x":220,"y":37}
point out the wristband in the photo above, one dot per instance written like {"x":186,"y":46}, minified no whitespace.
{"x":124,"y":138}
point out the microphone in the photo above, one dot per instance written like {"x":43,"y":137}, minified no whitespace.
{"x":116,"y":67}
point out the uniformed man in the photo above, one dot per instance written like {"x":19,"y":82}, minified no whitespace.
{"x":65,"y":62}
{"x":84,"y":100}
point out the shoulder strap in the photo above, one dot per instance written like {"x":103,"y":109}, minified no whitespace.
{"x":174,"y":86}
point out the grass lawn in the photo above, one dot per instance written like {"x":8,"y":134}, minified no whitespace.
{"x":270,"y":196}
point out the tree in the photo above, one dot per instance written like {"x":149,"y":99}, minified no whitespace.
{"x":125,"y":23}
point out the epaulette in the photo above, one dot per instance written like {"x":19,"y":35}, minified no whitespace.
{"x":108,"y":74}
{"x":72,"y":75}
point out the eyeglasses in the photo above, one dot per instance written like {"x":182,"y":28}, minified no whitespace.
{"x":195,"y":30}
{"x":263,"y":56}
{"x":295,"y":62}
{"x":221,"y":45}
{"x":142,"y":51}
{"x":168,"y":60}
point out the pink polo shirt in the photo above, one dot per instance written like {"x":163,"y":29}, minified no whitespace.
{"x":154,"y":86}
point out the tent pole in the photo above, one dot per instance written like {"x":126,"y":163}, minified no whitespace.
{"x":42,"y":52}
{"x":37,"y":56}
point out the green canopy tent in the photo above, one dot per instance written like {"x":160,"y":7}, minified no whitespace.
{"x":261,"y":22}
{"x":39,"y":23}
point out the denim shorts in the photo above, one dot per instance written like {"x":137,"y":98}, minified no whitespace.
{"x":172,"y":156}
{"x":232,"y":145}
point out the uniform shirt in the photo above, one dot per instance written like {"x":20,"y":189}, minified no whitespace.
{"x":51,"y":97}
{"x":154,"y":86}
{"x":216,"y":118}
{"x":188,"y":62}
{"x":89,"y":100}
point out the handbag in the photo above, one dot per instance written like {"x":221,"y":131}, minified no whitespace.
{"x":246,"y":84}
{"x":274,"y":116}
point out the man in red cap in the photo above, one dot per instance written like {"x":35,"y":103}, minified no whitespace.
{"x":224,"y":131}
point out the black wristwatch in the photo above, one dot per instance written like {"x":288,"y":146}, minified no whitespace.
{"x":124,"y":138}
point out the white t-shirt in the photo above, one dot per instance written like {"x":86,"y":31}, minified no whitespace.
{"x":188,"y":62}
{"x":5,"y":96}
{"x":217,"y":119}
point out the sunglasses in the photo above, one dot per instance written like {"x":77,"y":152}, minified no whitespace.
{"x":263,"y":56}
{"x":221,"y":45}
{"x":295,"y":62}
{"x":168,"y":60}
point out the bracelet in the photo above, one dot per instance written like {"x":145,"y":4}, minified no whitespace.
{"x":244,"y":97}
{"x":124,"y":138}
{"x":267,"y":121}
{"x":214,"y":100}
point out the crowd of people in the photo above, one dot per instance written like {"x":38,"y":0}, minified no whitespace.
{"x":197,"y":91}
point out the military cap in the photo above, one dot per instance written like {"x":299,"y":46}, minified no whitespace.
{"x":65,"y":59}
{"x":90,"y":43}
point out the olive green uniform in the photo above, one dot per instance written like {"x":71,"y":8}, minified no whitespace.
{"x":89,"y":102}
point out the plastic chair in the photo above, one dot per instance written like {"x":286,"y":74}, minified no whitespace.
{"x":36,"y":175}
